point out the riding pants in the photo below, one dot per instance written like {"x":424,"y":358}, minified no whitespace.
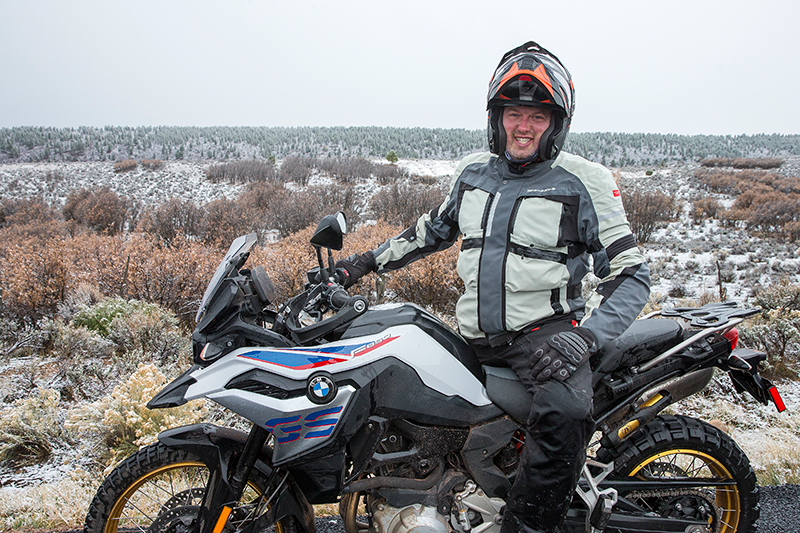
{"x":558,"y":430}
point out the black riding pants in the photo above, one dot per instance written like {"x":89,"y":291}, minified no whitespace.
{"x":558,"y":429}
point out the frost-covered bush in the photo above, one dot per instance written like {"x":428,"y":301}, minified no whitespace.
{"x":99,"y":316}
{"x":84,"y":295}
{"x":776,"y":330}
{"x":134,"y":331}
{"x":149,"y":334}
{"x":120,"y":423}
{"x":403,"y":203}
{"x":16,"y":339}
{"x":174,"y":218}
{"x":101,"y":210}
{"x":30,"y":427}
{"x":71,"y":342}
{"x":53,"y":506}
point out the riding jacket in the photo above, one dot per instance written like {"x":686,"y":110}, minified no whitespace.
{"x":529,"y":237}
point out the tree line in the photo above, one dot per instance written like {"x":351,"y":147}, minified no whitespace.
{"x":117,"y":143}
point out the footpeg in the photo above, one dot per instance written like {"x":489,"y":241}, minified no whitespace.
{"x":601,"y":512}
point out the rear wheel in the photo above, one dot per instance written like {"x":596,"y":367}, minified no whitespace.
{"x":672,"y":447}
{"x":161,"y":489}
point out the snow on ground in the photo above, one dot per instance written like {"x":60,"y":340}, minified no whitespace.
{"x":429,"y":167}
{"x":54,"y":181}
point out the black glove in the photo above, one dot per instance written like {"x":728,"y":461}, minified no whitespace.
{"x":355,"y":267}
{"x":562,"y":354}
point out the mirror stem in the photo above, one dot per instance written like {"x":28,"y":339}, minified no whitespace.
{"x":331,"y":267}
{"x":323,"y":272}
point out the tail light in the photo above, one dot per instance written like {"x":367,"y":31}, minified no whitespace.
{"x":733,"y":336}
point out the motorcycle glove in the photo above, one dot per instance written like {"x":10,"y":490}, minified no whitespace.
{"x":562,"y":354}
{"x":355,"y":267}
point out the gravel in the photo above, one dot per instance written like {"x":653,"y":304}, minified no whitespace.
{"x":780,"y":509}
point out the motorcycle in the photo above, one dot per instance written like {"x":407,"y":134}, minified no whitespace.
{"x":385,"y":411}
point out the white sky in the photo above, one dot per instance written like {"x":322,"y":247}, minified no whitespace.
{"x":677,"y":66}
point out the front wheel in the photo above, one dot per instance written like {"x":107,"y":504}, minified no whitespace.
{"x":161,"y":489}
{"x":674,"y":447}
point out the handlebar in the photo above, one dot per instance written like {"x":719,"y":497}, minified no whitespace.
{"x":318,"y":296}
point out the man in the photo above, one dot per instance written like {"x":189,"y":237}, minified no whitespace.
{"x":531,"y":216}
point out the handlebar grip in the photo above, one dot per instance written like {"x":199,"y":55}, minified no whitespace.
{"x":339,"y":298}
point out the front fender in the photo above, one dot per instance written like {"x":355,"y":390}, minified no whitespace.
{"x":218,"y":448}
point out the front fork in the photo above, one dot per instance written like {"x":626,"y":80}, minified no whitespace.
{"x":223,"y":492}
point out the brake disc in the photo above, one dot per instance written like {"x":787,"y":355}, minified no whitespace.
{"x":686,"y":504}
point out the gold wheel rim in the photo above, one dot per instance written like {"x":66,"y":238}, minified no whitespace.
{"x":116,"y":514}
{"x":726,"y":498}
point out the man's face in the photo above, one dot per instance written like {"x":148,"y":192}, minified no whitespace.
{"x":524,"y":128}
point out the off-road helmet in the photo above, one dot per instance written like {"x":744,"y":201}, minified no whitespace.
{"x":531,"y":76}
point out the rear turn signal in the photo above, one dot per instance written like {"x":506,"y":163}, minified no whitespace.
{"x":733,"y":336}
{"x":776,"y":397}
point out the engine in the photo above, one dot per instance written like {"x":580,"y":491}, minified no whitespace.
{"x":470,"y":509}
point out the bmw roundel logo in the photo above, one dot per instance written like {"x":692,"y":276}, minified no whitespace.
{"x":321,"y":388}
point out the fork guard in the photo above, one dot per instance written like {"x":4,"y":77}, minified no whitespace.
{"x":218,"y":448}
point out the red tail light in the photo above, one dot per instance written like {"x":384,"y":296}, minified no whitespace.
{"x":733,"y":336}
{"x":776,"y":397}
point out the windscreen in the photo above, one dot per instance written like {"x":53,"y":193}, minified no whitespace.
{"x":239,"y":247}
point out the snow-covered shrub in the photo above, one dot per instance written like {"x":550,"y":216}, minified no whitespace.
{"x":16,"y":339}
{"x":678,"y":290}
{"x":99,"y":316}
{"x":84,"y":295}
{"x":152,"y":164}
{"x":49,"y":506}
{"x":347,"y":169}
{"x":297,"y":169}
{"x":386,"y":174}
{"x":29,"y":428}
{"x":402,"y":203}
{"x":76,"y":341}
{"x":135,"y":331}
{"x":150,"y":334}
{"x":140,"y":268}
{"x":120,"y":423}
{"x":236,"y":172}
{"x":776,"y":330}
{"x":25,"y":211}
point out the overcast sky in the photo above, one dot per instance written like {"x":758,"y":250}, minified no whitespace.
{"x":686,"y":67}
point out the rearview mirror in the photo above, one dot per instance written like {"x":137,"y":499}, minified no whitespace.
{"x":330,"y":231}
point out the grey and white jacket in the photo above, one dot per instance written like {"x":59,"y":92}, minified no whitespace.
{"x":526,"y":244}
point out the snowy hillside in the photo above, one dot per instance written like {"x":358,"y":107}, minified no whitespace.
{"x":684,"y":257}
